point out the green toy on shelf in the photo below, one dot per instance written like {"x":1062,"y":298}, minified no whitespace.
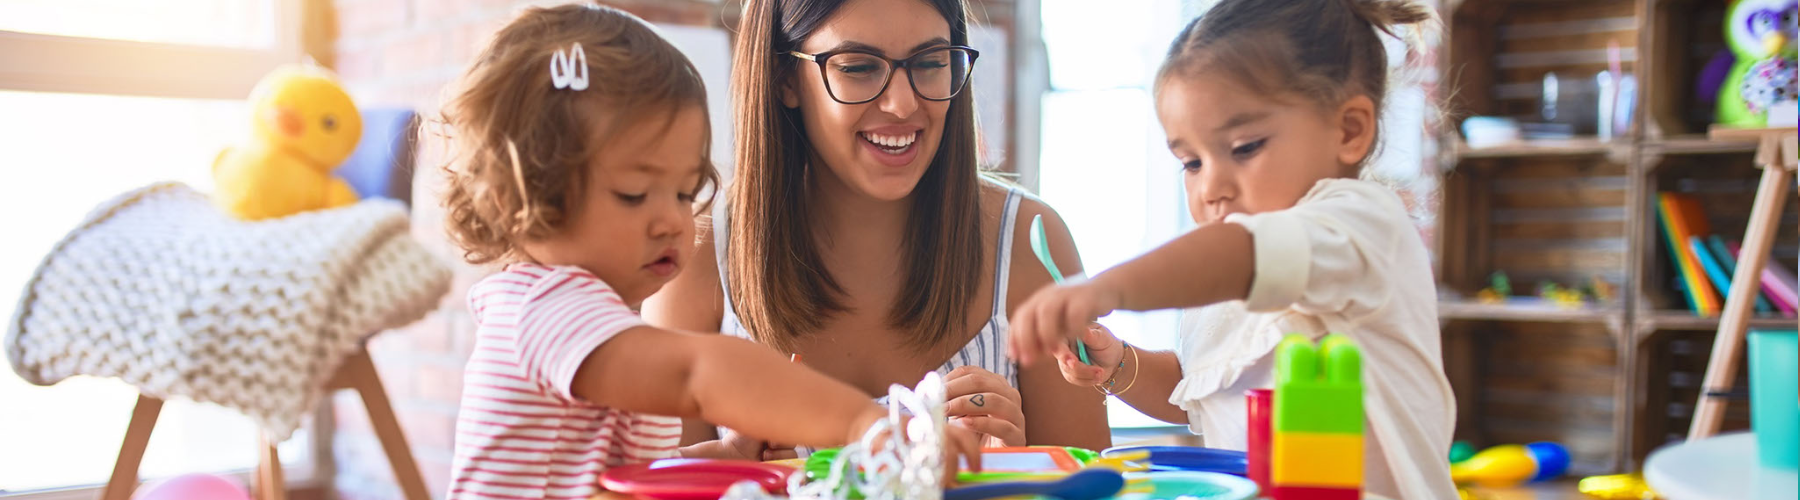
{"x":1499,"y":288}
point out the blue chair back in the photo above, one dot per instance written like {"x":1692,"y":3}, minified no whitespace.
{"x":382,"y":165}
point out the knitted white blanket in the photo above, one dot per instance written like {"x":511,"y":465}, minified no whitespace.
{"x":162,"y":290}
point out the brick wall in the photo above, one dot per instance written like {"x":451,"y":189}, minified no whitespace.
{"x":403,"y":53}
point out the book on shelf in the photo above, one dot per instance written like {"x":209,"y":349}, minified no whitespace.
{"x":1678,"y":225}
{"x":1779,"y":282}
{"x":1719,"y":270}
{"x":1727,"y":251}
{"x":1783,"y":278}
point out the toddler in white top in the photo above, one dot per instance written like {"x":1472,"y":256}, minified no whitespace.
{"x":1273,"y":107}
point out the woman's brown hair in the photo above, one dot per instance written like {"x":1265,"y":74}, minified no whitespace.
{"x":779,"y":285}
{"x":1323,"y":50}
{"x":520,"y":146}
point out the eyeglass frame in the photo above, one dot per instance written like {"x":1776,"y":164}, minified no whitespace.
{"x":901,"y":64}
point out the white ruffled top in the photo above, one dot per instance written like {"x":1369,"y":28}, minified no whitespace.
{"x":1345,"y":259}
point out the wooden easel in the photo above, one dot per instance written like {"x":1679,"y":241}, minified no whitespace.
{"x":1775,"y":154}
{"x":357,"y":373}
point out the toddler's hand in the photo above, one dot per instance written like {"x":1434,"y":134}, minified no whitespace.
{"x":732,"y":446}
{"x":960,"y":446}
{"x":772,"y":452}
{"x":741,"y":447}
{"x":1104,"y":349}
{"x":1054,"y":317}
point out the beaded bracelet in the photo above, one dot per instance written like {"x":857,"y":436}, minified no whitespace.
{"x":1106,"y":388}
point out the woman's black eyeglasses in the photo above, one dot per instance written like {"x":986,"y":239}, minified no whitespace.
{"x":856,"y":76}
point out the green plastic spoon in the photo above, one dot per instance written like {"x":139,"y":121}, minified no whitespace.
{"x":1041,"y":247}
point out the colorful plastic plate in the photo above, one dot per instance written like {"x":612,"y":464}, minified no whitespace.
{"x":688,"y":479}
{"x":1184,"y":485}
{"x":1189,"y":458}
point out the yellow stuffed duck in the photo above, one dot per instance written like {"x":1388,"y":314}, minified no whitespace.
{"x":304,"y":126}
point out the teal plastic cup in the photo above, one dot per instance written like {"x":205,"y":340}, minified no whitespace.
{"x":1775,"y":397}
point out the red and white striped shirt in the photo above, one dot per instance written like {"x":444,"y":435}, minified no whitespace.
{"x":521,"y":433}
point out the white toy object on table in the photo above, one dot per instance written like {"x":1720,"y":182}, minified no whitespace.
{"x":906,"y":465}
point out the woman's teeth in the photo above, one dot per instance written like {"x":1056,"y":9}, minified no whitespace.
{"x":890,"y":143}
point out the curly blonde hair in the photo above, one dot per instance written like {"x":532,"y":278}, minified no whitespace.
{"x":520,"y":146}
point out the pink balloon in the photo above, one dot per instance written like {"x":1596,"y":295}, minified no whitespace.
{"x":193,"y":487}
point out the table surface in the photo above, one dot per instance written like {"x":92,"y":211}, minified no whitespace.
{"x":1723,"y":467}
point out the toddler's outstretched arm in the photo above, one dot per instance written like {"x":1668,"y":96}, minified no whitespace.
{"x":736,"y":383}
{"x":1214,"y":263}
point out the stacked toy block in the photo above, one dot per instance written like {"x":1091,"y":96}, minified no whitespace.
{"x":1318,"y":426}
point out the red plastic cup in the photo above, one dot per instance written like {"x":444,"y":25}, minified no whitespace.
{"x":1261,"y":434}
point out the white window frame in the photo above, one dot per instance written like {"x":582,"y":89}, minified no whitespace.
{"x":52,"y":63}
{"x":65,"y":64}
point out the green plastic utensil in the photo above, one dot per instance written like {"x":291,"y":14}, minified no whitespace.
{"x":1041,"y":247}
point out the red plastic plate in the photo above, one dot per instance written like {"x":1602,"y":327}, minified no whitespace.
{"x":690,"y":479}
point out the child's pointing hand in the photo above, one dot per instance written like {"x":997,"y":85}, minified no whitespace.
{"x":1053,"y":317}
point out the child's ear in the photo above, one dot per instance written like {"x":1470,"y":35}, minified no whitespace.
{"x":1356,"y":121}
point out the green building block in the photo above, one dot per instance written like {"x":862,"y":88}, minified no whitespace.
{"x":1318,"y":389}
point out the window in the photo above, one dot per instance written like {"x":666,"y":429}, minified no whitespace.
{"x":103,"y":96}
{"x":213,"y":49}
{"x":209,"y":23}
{"x":1115,"y":184}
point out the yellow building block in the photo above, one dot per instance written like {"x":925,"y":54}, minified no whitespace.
{"x":1309,"y":459}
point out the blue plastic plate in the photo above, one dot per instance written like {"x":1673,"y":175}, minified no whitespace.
{"x":1189,"y":458}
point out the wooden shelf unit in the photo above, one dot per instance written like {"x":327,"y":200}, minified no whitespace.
{"x":1538,"y":148}
{"x":1609,"y":381}
{"x":1460,"y":310}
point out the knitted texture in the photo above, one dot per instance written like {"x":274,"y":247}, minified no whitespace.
{"x":159,"y":288}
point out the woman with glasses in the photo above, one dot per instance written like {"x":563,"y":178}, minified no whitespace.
{"x":858,"y":232}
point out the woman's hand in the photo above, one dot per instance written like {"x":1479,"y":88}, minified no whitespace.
{"x":1052,"y":318}
{"x":986,"y":404}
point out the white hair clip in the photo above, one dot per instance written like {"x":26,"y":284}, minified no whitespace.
{"x":569,"y":70}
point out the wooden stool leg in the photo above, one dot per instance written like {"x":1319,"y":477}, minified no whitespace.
{"x":270,"y":485}
{"x":1765,"y":218}
{"x":359,"y":373}
{"x":131,"y":452}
